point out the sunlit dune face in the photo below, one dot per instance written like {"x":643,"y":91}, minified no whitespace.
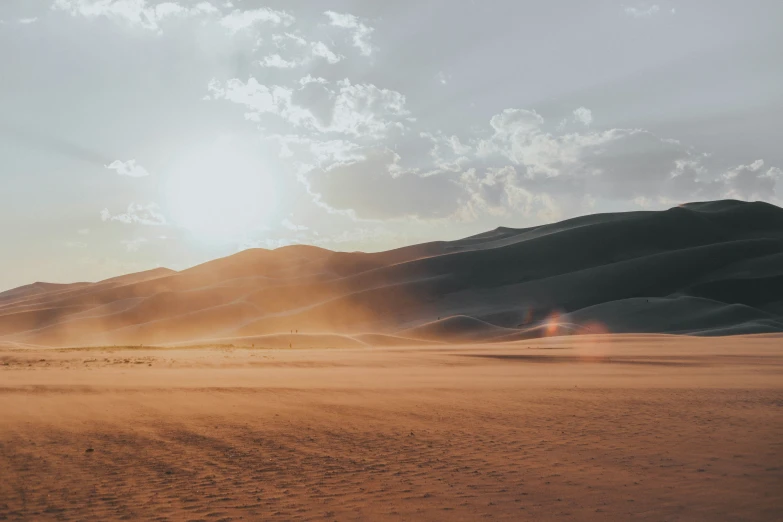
{"x":220,"y":193}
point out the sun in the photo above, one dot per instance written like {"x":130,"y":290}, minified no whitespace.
{"x":221,"y":192}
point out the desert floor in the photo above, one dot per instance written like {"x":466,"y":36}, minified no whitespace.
{"x":588,"y":428}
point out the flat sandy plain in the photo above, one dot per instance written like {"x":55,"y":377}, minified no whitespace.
{"x":579,"y":428}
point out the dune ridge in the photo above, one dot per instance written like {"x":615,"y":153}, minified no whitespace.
{"x":708,"y":268}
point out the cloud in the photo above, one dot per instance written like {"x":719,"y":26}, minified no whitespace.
{"x":503,"y":192}
{"x":128,"y":168}
{"x":320,"y":49}
{"x":751,"y":181}
{"x":83,"y":231}
{"x":139,"y":13}
{"x":305,"y":50}
{"x":277,"y":61}
{"x":515,"y":122}
{"x":283,"y":40}
{"x":308,"y":52}
{"x":360,"y":32}
{"x":516,"y":168}
{"x":319,"y":106}
{"x":615,"y":163}
{"x":618,"y":164}
{"x":643,"y":12}
{"x":583,"y":116}
{"x":257,"y":98}
{"x":359,"y":151}
{"x":307,"y":153}
{"x":133,"y":245}
{"x":240,"y":20}
{"x":27,"y":21}
{"x":138,"y":213}
{"x":363,"y":109}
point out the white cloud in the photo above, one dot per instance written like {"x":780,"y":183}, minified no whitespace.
{"x":643,"y":12}
{"x":320,"y":49}
{"x":27,"y":21}
{"x":83,"y":231}
{"x":360,"y":32}
{"x":320,"y":106}
{"x":520,"y":169}
{"x":496,"y":191}
{"x":278,"y":62}
{"x":583,"y":116}
{"x":240,"y":20}
{"x":133,"y":245}
{"x":302,"y":56}
{"x":128,"y":168}
{"x":138,"y":213}
{"x":359,"y":152}
{"x":256,"y":97}
{"x":281,"y":40}
{"x":139,"y":13}
{"x":751,"y":181}
{"x":513,"y":122}
{"x":513,"y":167}
{"x":619,"y":164}
{"x":362,"y":109}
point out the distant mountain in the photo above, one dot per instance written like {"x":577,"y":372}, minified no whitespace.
{"x":710,"y":268}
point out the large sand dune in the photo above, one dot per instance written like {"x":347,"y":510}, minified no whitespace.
{"x":702,"y":268}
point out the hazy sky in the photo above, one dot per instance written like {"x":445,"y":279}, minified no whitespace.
{"x":140,"y":133}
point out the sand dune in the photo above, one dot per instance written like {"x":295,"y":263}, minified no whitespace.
{"x":702,"y":268}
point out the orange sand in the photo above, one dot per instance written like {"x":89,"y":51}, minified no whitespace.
{"x":588,"y":428}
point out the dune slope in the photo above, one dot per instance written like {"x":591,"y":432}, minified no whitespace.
{"x":702,"y":268}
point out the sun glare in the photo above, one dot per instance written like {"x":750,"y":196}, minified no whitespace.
{"x":220,"y":193}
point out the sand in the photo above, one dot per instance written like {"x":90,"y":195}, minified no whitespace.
{"x":578,"y":428}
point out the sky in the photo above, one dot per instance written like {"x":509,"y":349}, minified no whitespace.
{"x":141,"y":133}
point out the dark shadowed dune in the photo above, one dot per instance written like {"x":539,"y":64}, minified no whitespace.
{"x":709,"y":268}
